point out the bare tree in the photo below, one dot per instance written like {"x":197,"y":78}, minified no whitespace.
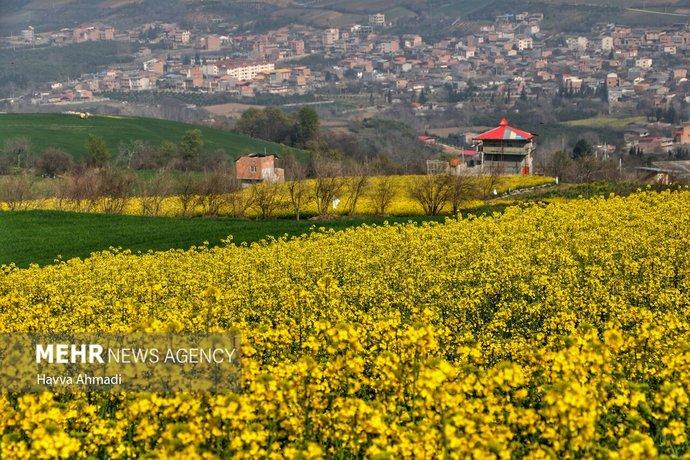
{"x":589,"y":169}
{"x":329,"y":183}
{"x":239,"y":202}
{"x":154,"y":191}
{"x":557,"y":164}
{"x":462,"y":187}
{"x":19,"y":149}
{"x":53,"y":162}
{"x":431,"y":192}
{"x":297,"y":186}
{"x":77,"y":190}
{"x":15,"y":191}
{"x":130,"y":153}
{"x":113,"y":189}
{"x":356,"y":185}
{"x":266,"y":197}
{"x":491,"y":179}
{"x":382,"y":194}
{"x":82,"y":190}
{"x":187,"y":190}
{"x":212,"y":190}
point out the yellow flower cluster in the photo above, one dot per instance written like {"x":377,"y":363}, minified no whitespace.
{"x":401,"y":204}
{"x":556,"y":331}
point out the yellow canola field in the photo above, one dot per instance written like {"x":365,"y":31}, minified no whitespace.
{"x":401,"y":205}
{"x":546,"y":332}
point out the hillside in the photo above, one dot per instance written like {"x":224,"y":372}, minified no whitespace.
{"x":67,"y":13}
{"x":70,"y":133}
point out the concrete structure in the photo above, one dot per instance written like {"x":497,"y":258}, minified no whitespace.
{"x":212,"y":43}
{"x":377,"y":20}
{"x":297,"y":47}
{"x":182,"y":36}
{"x":244,"y":70}
{"x":258,"y":167}
{"x":644,"y":63}
{"x":93,"y":33}
{"x":612,"y":80}
{"x":525,"y":43}
{"x":506,"y":150}
{"x":667,"y":172}
{"x":330,"y":36}
{"x":607,"y":43}
{"x":683,"y":135}
{"x":28,"y":34}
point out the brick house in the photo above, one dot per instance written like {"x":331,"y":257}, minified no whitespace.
{"x":258,"y":167}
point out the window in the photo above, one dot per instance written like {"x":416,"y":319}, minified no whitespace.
{"x":252,"y":168}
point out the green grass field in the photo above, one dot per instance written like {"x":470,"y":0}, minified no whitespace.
{"x":69,"y":132}
{"x":40,"y":236}
{"x":606,"y":122}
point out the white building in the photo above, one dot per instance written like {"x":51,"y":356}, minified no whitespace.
{"x":525,"y":43}
{"x":607,"y":43}
{"x":246,"y":70}
{"x":377,"y":20}
{"x":28,"y":34}
{"x":330,"y":36}
{"x":644,"y":63}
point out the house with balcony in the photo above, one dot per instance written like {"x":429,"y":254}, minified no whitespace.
{"x":506,"y":149}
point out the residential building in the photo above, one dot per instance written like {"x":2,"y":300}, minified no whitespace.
{"x":506,"y":149}
{"x":377,"y":20}
{"x":330,"y":36}
{"x":258,"y":167}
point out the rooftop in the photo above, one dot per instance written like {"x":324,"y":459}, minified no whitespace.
{"x":505,"y":132}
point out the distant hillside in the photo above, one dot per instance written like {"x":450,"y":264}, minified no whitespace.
{"x":16,"y":14}
{"x":69,"y":132}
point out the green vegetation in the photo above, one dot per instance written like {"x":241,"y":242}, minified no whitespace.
{"x":26,"y":67}
{"x":606,"y":122}
{"x":273,"y":124}
{"x":40,"y":236}
{"x":455,"y":8}
{"x":71,"y":133}
{"x":575,"y":191}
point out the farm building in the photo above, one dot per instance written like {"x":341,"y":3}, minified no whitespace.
{"x":666,"y":172}
{"x":258,"y":167}
{"x":506,"y":149}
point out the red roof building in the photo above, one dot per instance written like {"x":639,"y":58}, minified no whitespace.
{"x":506,"y":149}
{"x":505,"y":132}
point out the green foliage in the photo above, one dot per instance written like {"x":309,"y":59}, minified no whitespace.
{"x":190,"y":146}
{"x":99,"y":154}
{"x":307,"y":125}
{"x":40,"y":236}
{"x":69,"y":133}
{"x":271,"y":124}
{"x":25,"y":68}
{"x":18,"y":149}
{"x":582,"y":148}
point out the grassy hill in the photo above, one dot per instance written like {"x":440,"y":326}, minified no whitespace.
{"x":69,"y":132}
{"x":17,"y":14}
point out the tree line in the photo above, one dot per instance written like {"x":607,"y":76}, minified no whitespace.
{"x":188,"y":154}
{"x":322,"y":188}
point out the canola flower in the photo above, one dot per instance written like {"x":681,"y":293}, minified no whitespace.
{"x":556,"y":331}
{"x":401,"y":204}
